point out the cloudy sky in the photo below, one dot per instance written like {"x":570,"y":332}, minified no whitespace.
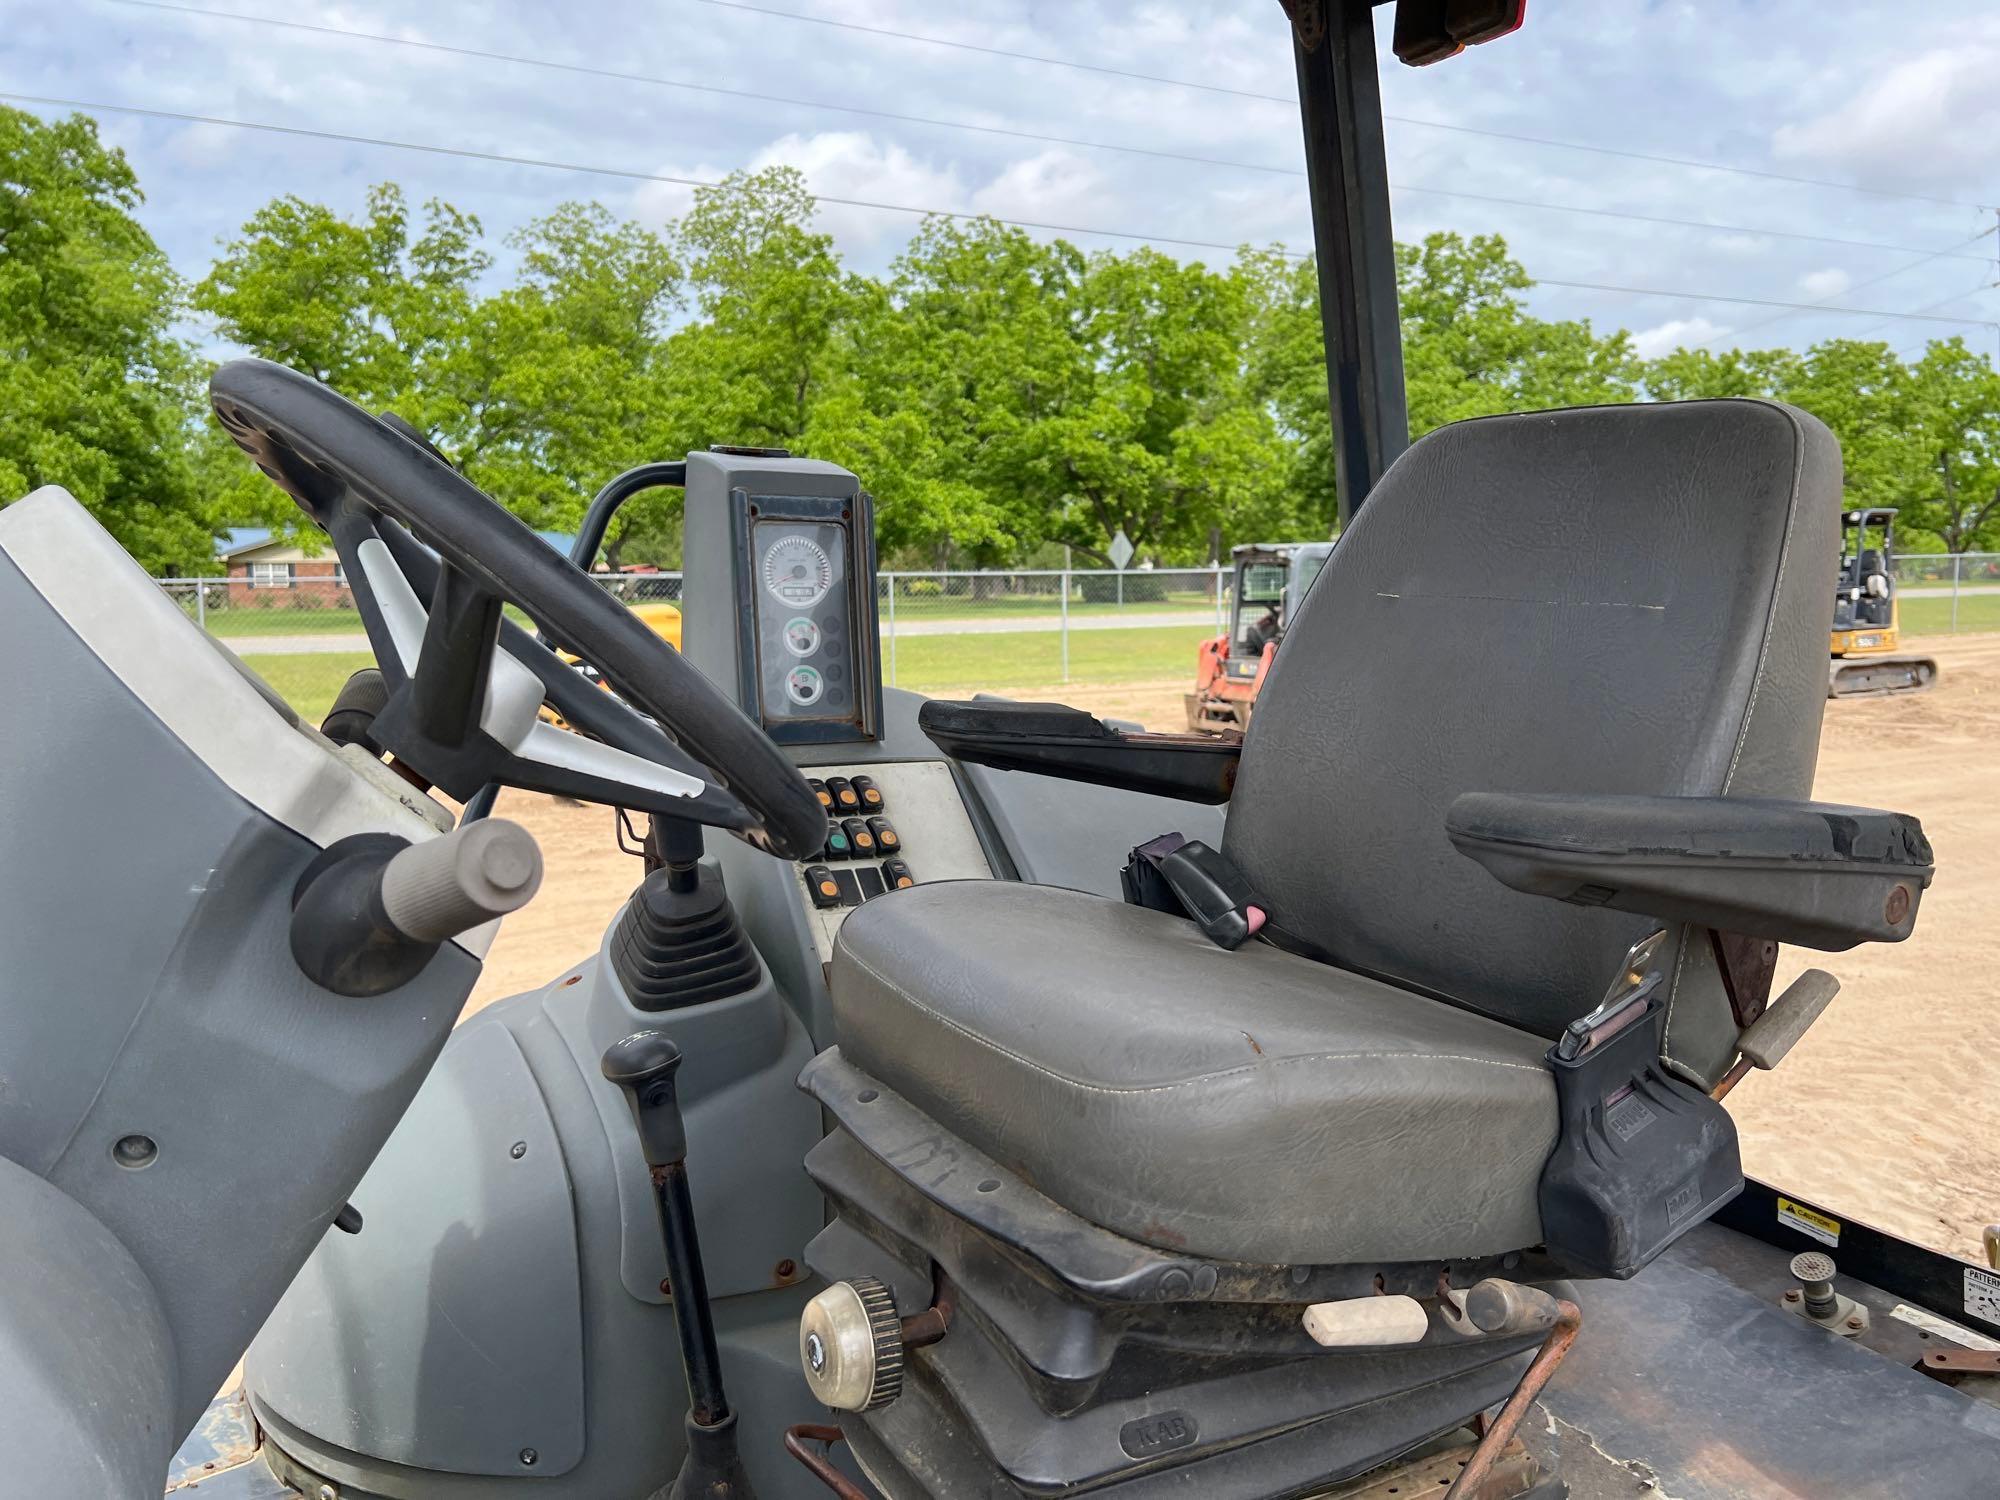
{"x":1888,"y":110}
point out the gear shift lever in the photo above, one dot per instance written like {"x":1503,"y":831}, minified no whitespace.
{"x":644,"y":1065}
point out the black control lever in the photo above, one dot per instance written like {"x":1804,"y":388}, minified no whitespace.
{"x":644,"y":1065}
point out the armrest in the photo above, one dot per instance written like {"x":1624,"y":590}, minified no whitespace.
{"x":1810,"y":873}
{"x":1053,"y":740}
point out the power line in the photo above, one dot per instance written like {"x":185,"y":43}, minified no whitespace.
{"x":1645,"y":291}
{"x":1671,"y":161}
{"x":1619,"y":213}
{"x":657,"y":81}
{"x":1498,"y":135}
{"x":1941,"y":302}
{"x":548,"y":164}
{"x":1053,"y":62}
{"x":1862,"y":285}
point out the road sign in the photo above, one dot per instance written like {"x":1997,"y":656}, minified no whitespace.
{"x":1121,"y":550}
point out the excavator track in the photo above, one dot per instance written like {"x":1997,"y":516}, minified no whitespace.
{"x":1861,"y":676}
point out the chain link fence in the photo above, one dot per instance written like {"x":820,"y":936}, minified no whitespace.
{"x":949,"y":633}
{"x":1942,"y":593}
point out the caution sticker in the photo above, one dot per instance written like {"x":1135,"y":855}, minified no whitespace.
{"x":1809,"y":1222}
{"x":1982,"y":1294}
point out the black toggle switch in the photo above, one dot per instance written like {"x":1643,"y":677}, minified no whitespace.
{"x":845,"y":798}
{"x":860,"y":839}
{"x":869,"y":793}
{"x":820,"y":791}
{"x":838,"y":844}
{"x":886,"y":840}
{"x":821,"y":885}
{"x":896,"y":874}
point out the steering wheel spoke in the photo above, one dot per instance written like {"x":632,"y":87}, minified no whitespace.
{"x":451,"y":686}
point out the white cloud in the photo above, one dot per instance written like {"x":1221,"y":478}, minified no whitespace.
{"x":1054,"y":186}
{"x":853,"y":164}
{"x":1664,"y":338}
{"x":1826,"y":284}
{"x":1929,"y":118}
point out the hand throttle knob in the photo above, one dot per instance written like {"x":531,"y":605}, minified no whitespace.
{"x":442,"y":887}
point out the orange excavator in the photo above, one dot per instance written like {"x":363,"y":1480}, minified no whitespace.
{"x":1270,"y":583}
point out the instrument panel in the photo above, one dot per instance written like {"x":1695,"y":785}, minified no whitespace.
{"x":807,"y":649}
{"x":890,"y":825}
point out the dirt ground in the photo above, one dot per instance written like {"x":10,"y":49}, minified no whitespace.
{"x":1879,"y":1112}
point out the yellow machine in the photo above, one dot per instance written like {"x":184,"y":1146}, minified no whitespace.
{"x":1866,"y":618}
{"x":660,"y":617}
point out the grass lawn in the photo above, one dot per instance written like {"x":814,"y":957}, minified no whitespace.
{"x":998,"y":663}
{"x":1034,"y":658}
{"x":931,"y":607}
{"x":1925,"y":616}
{"x":229,"y":623}
{"x":309,"y":682}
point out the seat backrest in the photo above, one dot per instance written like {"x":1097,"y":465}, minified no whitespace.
{"x":1609,"y":599}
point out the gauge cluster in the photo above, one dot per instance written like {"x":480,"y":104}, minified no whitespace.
{"x":806,"y":635}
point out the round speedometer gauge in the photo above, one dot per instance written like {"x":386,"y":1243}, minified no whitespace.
{"x":797,"y":570}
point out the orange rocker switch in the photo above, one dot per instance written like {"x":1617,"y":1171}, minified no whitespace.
{"x":885,"y":835}
{"x":896,"y":874}
{"x":859,"y":837}
{"x":820,"y":882}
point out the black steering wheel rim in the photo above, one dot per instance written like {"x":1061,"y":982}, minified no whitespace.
{"x":349,"y":470}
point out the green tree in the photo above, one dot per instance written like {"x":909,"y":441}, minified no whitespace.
{"x":551,"y":394}
{"x":1285,"y":372}
{"x":1954,"y":400}
{"x":1163,"y":441}
{"x":770,"y":299}
{"x":96,"y":392}
{"x":955,"y":363}
{"x":361,"y":305}
{"x":1470,"y":348}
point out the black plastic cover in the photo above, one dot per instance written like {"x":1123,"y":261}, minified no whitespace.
{"x":1641,"y":1158}
{"x":1051,"y":739}
{"x":1811,"y":873}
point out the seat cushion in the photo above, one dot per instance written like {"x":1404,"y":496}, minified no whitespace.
{"x":1252,"y":1106}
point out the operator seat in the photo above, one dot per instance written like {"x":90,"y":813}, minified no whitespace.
{"x":1624,"y":599}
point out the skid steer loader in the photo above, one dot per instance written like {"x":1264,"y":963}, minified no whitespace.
{"x":1271,"y":582}
{"x":1866,"y":624}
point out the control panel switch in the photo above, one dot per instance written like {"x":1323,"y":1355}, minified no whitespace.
{"x":845,"y":799}
{"x":869,"y":793}
{"x":838,"y":844}
{"x":896,"y":874}
{"x":819,"y":790}
{"x":860,"y":839}
{"x":821,"y":886}
{"x":886,"y":840}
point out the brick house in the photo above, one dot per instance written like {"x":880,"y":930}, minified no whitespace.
{"x":272,"y":573}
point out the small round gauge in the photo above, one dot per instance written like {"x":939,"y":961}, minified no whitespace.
{"x":804,"y":686}
{"x":797,"y":570}
{"x":802,"y":637}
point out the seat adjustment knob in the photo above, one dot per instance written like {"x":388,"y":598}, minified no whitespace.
{"x":851,"y":1345}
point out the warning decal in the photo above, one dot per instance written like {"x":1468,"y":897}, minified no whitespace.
{"x":1982,"y":1294}
{"x":1809,"y":1222}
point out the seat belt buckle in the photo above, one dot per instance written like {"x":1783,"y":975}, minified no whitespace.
{"x":1187,"y":878}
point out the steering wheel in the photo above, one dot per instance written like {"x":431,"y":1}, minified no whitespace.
{"x":431,"y":559}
